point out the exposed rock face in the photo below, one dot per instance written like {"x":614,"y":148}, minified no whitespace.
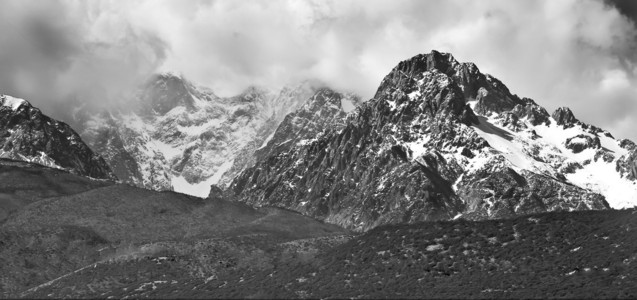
{"x":581,"y":141}
{"x":627,"y":144}
{"x":28,"y":135}
{"x":534,"y":114}
{"x":439,"y":140}
{"x":178,"y":136}
{"x":604,"y":155}
{"x":325,"y":109}
{"x":564,"y":116}
{"x":507,"y":193}
{"x":108,"y":142}
{"x":627,"y":166}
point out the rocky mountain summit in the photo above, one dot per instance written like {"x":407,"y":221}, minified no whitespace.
{"x":441,"y":140}
{"x":28,"y":135}
{"x":182,"y":137}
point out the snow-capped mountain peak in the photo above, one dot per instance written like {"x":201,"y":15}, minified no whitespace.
{"x":441,"y":140}
{"x":12,"y":102}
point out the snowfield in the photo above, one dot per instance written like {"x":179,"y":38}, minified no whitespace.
{"x":595,"y":175}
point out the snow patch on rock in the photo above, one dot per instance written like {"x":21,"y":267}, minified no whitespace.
{"x":596,"y":175}
{"x":12,"y":102}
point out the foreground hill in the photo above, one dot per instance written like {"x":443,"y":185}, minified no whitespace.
{"x":27,"y":134}
{"x":50,"y":237}
{"x":441,"y":140}
{"x":22,"y":183}
{"x":589,"y":254}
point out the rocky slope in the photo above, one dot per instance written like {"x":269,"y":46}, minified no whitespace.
{"x":28,"y":135}
{"x":22,"y":183}
{"x":573,"y":255}
{"x":441,"y":140}
{"x":65,"y":222}
{"x":177,"y":136}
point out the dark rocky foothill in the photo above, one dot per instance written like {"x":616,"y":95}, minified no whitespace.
{"x":27,"y":134}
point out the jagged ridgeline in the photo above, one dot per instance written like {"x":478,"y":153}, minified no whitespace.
{"x":441,"y":140}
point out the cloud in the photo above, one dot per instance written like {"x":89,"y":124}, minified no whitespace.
{"x":627,"y":8}
{"x":54,"y":51}
{"x":580,"y":54}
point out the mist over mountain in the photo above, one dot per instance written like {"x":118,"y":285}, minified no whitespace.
{"x":97,"y":51}
{"x":174,"y":135}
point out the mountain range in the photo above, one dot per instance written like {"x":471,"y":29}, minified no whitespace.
{"x":444,"y":178}
{"x":178,"y":136}
{"x":439,"y":140}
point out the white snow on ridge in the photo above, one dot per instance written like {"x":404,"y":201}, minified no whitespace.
{"x":557,"y":135}
{"x":12,"y":102}
{"x":601,"y":177}
{"x":41,"y":159}
{"x":181,"y":185}
{"x":45,"y":160}
{"x":612,"y":145}
{"x":414,"y":95}
{"x":472,"y":103}
{"x":578,"y":140}
{"x":392,"y":105}
{"x":419,"y":147}
{"x":478,"y":162}
{"x":196,"y":130}
{"x":165,"y":149}
{"x":504,"y":141}
{"x":347,"y":105}
{"x":598,"y":176}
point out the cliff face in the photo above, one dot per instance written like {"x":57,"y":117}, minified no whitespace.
{"x":439,"y":140}
{"x":325,"y":109}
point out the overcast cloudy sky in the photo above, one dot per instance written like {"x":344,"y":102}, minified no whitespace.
{"x":581,"y":54}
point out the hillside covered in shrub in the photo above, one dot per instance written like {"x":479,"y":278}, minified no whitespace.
{"x":590,"y":254}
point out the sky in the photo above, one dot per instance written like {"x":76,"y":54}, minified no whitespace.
{"x":576,"y":53}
